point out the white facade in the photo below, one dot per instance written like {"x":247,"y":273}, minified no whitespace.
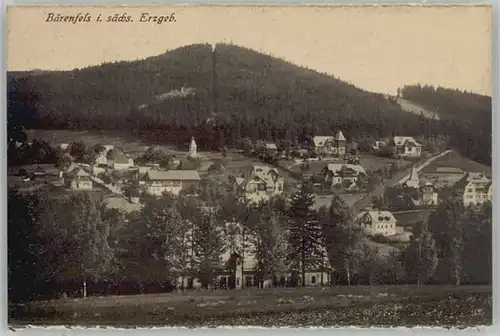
{"x":122,"y":165}
{"x":377,"y":222}
{"x":414,"y":180}
{"x":429,"y":194}
{"x":192,"y":148}
{"x":260,"y":184}
{"x":477,"y":190}
{"x":156,"y":183}
{"x":405,"y":146}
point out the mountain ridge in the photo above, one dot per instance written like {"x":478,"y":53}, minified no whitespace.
{"x":251,"y":94}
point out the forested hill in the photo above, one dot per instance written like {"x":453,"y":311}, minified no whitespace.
{"x":173,"y":95}
{"x":473,"y":112}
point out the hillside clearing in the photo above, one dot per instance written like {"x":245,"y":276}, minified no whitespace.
{"x":455,"y":160}
{"x":411,"y":107}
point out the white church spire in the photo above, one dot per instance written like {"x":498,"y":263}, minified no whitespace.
{"x":192,"y":148}
{"x":413,"y":181}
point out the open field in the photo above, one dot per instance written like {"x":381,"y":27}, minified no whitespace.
{"x":131,"y":145}
{"x":454,"y":160}
{"x":367,"y":161}
{"x":322,"y":306}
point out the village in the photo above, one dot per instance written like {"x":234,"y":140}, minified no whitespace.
{"x":329,"y":165}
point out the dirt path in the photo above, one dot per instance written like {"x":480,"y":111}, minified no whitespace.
{"x":400,"y":177}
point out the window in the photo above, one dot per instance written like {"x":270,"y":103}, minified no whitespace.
{"x":469,"y":190}
{"x":237,"y":281}
{"x":313,"y":279}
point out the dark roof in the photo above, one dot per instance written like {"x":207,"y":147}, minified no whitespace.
{"x":117,"y":155}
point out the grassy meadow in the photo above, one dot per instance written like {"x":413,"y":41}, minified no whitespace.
{"x":323,"y":306}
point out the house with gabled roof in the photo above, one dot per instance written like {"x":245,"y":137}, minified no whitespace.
{"x":405,"y":146}
{"x":328,"y":146}
{"x":377,"y":222}
{"x":157,"y":182}
{"x":342,"y":174}
{"x":475,"y":189}
{"x":259,"y":183}
{"x":76,"y":178}
{"x":118,"y":160}
{"x":443,"y":176}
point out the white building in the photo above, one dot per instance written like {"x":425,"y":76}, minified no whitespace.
{"x":261,"y":183}
{"x":405,"y":146}
{"x":326,"y":146}
{"x":118,"y":160}
{"x":76,"y":178}
{"x":192,"y":148}
{"x":413,"y":181}
{"x":244,"y":274}
{"x":476,"y":189}
{"x":376,"y":222}
{"x":340,"y":173}
{"x":429,"y":194}
{"x":173,"y":181}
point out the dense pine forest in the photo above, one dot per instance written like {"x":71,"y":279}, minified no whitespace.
{"x":472,"y":113}
{"x":233,"y":93}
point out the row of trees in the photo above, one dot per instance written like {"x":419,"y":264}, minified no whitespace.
{"x":75,"y":244}
{"x":455,"y":246}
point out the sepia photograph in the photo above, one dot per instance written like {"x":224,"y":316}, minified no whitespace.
{"x":271,"y":166}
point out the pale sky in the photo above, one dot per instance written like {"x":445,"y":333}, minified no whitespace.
{"x":377,"y":48}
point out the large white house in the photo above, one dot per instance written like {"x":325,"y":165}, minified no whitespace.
{"x":405,"y":146}
{"x":475,"y":188}
{"x":340,"y":173}
{"x":376,"y":222}
{"x":260,"y":183}
{"x":244,"y":274}
{"x":76,"y":178}
{"x":156,"y":182}
{"x":327,"y":146}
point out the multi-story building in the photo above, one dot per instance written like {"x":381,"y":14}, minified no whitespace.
{"x":157,"y":182}
{"x":475,"y":189}
{"x":341,"y":174}
{"x":377,"y":222}
{"x":443,"y":176}
{"x":327,"y":146}
{"x":116,"y":159}
{"x":405,"y":146}
{"x":76,"y":178}
{"x":429,"y":194}
{"x":260,"y":183}
{"x":241,"y":262}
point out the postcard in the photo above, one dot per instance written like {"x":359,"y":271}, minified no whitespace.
{"x":272,"y":166}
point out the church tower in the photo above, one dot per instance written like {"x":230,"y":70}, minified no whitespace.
{"x":413,"y":181}
{"x":192,"y":148}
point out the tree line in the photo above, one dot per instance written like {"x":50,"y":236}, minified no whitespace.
{"x":471,"y":111}
{"x":246,"y":94}
{"x":75,"y":245}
